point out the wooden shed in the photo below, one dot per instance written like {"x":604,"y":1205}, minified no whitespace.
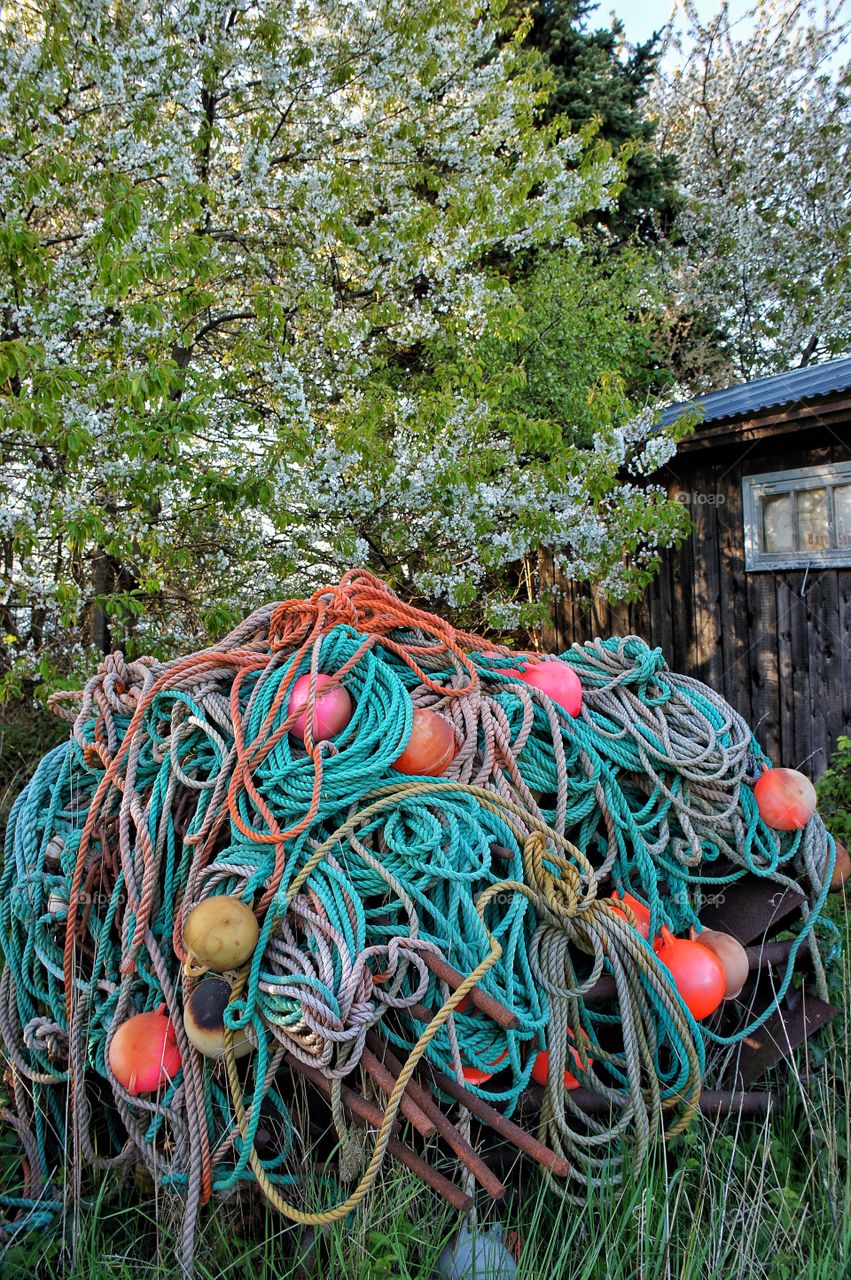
{"x":757,"y":601}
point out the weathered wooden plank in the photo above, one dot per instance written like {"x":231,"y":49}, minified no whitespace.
{"x":839,"y":703}
{"x":766,"y":428}
{"x":795,"y":583}
{"x":662,"y":593}
{"x":601,"y":619}
{"x":787,"y":705}
{"x":680,"y":567}
{"x":799,"y":1016}
{"x":552,"y":589}
{"x":580,"y":612}
{"x":704,"y":595}
{"x":810,"y":690}
{"x":762,"y":660}
{"x":823,"y":626}
{"x":683,"y":612}
{"x":622,"y":620}
{"x":735,"y":633}
{"x":838,"y":711}
{"x":706,"y":657}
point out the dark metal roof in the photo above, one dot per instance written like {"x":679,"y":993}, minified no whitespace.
{"x":748,"y":398}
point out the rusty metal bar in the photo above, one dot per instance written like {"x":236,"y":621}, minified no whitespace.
{"x":365,"y":1113}
{"x":777,"y":953}
{"x":724,"y":1102}
{"x":484,"y":1002}
{"x":420,"y":1012}
{"x":468,"y":1156}
{"x":425,"y":1127}
{"x":500,"y":1124}
{"x":711,"y":1102}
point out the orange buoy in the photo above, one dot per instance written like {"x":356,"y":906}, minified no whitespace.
{"x":733,"y":957}
{"x":473,"y":1075}
{"x":786,"y":799}
{"x":431,"y":747}
{"x":641,"y":913}
{"x":541,"y":1068}
{"x":143,"y":1053}
{"x":697,"y":972}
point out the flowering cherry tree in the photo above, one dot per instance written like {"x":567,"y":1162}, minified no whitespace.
{"x":758,"y":111}
{"x":263,"y":317}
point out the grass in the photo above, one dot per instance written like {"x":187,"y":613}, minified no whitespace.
{"x":765,"y":1199}
{"x":769,"y":1201}
{"x":755,"y":1200}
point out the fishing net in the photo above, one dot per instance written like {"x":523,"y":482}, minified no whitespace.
{"x":183,"y":781}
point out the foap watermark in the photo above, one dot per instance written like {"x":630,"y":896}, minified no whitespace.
{"x":700,"y":498}
{"x":715,"y":899}
{"x":57,"y":903}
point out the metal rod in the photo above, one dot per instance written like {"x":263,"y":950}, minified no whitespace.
{"x":500,"y":1124}
{"x":776,"y":953}
{"x":486,"y":1003}
{"x":468,"y":1156}
{"x":419,"y":1012}
{"x":712,"y":1102}
{"x":425,"y":1127}
{"x":365,"y":1113}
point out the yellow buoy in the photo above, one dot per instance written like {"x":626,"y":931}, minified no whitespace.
{"x":219,"y":934}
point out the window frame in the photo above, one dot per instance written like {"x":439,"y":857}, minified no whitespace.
{"x":775,"y":483}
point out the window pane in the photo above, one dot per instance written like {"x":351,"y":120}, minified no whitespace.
{"x":778,"y":534}
{"x":842,"y":513}
{"x":813,"y":526}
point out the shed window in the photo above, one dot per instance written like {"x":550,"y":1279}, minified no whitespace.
{"x":798,"y":518}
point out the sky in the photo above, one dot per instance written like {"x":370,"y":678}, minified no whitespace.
{"x":642,"y":17}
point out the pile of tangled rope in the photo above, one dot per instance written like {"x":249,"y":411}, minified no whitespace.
{"x":183,"y":781}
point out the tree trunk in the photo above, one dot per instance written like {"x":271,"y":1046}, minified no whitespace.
{"x":103,"y":584}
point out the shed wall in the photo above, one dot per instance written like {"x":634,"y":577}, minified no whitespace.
{"x":776,"y":645}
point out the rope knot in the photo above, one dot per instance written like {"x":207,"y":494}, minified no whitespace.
{"x":293,"y":621}
{"x":559,"y":896}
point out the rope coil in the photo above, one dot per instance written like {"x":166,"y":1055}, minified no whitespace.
{"x":182,"y":781}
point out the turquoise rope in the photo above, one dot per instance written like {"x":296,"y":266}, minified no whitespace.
{"x":437,"y":853}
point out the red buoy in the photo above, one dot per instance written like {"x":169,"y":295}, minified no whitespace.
{"x":541,"y":1069}
{"x":473,"y":1075}
{"x":541,"y":1065}
{"x":641,"y":913}
{"x":697,"y":972}
{"x":143,"y":1054}
{"x":332,"y":710}
{"x":786,"y":799}
{"x":558,"y":681}
{"x":431,"y":747}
